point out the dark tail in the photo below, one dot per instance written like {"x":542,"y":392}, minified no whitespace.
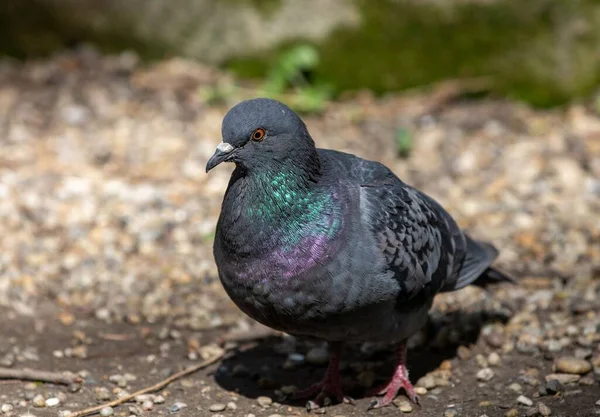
{"x":493,"y":275}
{"x":476,"y":268}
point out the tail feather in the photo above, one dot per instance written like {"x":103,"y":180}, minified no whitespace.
{"x":493,"y":275}
{"x":476,"y":268}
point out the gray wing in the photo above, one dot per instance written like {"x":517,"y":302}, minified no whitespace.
{"x":419,"y":240}
{"x":417,"y":243}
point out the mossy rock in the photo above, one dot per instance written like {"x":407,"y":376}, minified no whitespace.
{"x":543,"y":51}
{"x":212,"y":31}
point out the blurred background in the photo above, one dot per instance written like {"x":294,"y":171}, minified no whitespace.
{"x":110,"y":109}
{"x":544,"y":52}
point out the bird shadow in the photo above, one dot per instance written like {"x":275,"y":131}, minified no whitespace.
{"x":259,"y":369}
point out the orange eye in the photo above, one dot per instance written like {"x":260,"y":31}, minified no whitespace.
{"x":258,"y":134}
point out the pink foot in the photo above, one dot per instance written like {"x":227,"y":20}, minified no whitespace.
{"x":331,"y":386}
{"x":398,"y":381}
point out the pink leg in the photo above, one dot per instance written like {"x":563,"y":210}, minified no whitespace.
{"x":331,"y":385}
{"x":399,"y":380}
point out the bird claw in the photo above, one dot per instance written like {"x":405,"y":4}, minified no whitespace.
{"x":311,"y":405}
{"x":389,"y":391}
{"x":323,"y":391}
{"x":387,"y":400}
{"x":348,"y":400}
{"x":374,"y":404}
{"x":321,"y":400}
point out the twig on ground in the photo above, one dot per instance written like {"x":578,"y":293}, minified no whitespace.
{"x":155,"y":387}
{"x":65,"y":378}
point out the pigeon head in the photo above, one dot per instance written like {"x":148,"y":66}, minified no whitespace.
{"x":262,"y":133}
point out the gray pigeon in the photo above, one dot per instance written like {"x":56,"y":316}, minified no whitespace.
{"x":320,"y":243}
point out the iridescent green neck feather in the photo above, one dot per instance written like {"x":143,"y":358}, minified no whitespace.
{"x":284,"y":200}
{"x":296,"y":208}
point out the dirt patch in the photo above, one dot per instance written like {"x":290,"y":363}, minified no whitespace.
{"x":107,"y":220}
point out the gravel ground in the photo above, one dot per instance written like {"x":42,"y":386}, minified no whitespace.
{"x":106,"y":227}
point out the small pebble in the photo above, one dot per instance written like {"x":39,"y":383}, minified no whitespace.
{"x":524,"y":400}
{"x":553,"y":386}
{"x":515,"y":387}
{"x":420,"y":390}
{"x":485,"y":374}
{"x":289,"y":389}
{"x":106,"y":411}
{"x":544,"y":410}
{"x":531,"y":412}
{"x":6,"y":408}
{"x":64,"y":413}
{"x":264,"y":402}
{"x":75,"y":387}
{"x":147,"y":405}
{"x":102,"y":393}
{"x":513,"y":412}
{"x":428,"y":382}
{"x":39,"y":401}
{"x":495,"y":339}
{"x":179,"y":405}
{"x":563,"y":378}
{"x":51,"y":402}
{"x":135,"y":410}
{"x":403,"y":405}
{"x":450,"y":413}
{"x":583,"y":353}
{"x":296,"y":358}
{"x":231,"y":405}
{"x":159,"y":399}
{"x":481,"y":361}
{"x":7,"y":360}
{"x":554,"y":346}
{"x":217,"y":407}
{"x":493,"y":359}
{"x":572,"y":365}
{"x":317,"y":356}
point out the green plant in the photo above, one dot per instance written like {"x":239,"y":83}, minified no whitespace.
{"x":404,"y":142}
{"x":290,"y":70}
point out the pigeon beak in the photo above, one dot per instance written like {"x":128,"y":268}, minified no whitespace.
{"x":223,"y":151}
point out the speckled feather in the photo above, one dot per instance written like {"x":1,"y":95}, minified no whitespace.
{"x":322,"y":243}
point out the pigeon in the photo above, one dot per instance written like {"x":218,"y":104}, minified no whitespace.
{"x":324,"y":244}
